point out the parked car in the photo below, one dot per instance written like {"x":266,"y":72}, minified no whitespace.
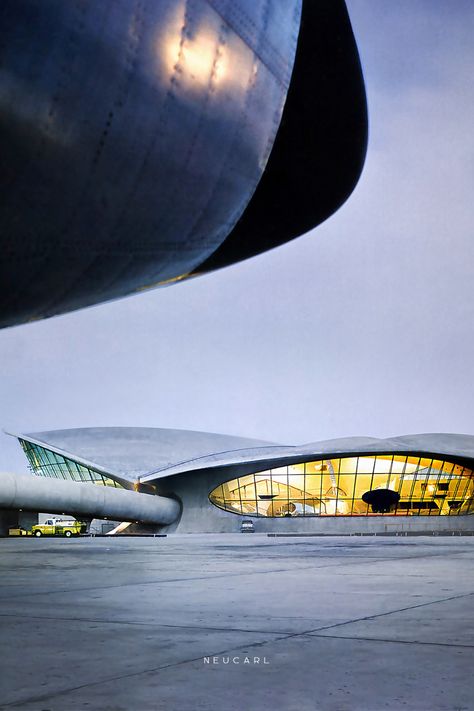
{"x":247,"y":526}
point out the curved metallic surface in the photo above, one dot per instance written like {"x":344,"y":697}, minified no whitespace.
{"x":133,"y":136}
{"x":143,"y":142}
{"x":321,"y":144}
{"x":31,"y":493}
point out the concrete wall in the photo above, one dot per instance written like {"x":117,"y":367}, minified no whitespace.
{"x":199,"y":515}
{"x":11,"y":519}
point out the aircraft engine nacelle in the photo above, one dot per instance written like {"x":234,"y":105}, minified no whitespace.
{"x":143,"y":142}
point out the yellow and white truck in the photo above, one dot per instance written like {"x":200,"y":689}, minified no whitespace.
{"x":58,"y":527}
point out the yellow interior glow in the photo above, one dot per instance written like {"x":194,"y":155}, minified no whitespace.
{"x":335,"y":487}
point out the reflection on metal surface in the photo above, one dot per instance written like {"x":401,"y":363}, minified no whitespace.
{"x":201,"y":57}
{"x":206,"y":54}
{"x":135,"y":136}
{"x":25,"y":104}
{"x":166,"y":282}
{"x":169,"y":111}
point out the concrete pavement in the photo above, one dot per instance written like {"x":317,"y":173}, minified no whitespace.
{"x":236,"y":623}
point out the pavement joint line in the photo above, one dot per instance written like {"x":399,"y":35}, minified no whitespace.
{"x":162,"y":667}
{"x":55,"y":694}
{"x":392,"y":641}
{"x":140,"y":624}
{"x":390,"y":612}
{"x":177,"y":580}
{"x":224,"y":652}
{"x":160,"y":581}
{"x":217,"y":577}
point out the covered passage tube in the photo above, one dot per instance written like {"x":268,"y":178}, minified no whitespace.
{"x":31,"y":493}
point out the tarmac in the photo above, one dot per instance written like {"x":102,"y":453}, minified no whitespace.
{"x":237,"y":622}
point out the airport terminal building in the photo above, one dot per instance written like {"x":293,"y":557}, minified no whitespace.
{"x":207,"y":482}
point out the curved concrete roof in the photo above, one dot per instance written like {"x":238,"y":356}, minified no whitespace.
{"x":132,"y":452}
{"x":148,"y":453}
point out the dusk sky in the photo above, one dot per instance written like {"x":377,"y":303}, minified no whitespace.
{"x":361,"y":327}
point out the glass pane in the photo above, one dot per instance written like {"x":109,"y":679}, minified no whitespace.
{"x":335,"y":487}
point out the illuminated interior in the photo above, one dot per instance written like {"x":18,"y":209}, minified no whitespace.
{"x":43,"y":462}
{"x":335,"y":487}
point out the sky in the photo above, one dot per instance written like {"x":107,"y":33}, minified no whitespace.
{"x":364,"y":326}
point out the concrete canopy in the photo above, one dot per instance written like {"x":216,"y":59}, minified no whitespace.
{"x":132,"y":453}
{"x":147,"y":454}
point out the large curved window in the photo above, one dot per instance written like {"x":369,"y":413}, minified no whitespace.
{"x":44,"y":462}
{"x":336,"y":487}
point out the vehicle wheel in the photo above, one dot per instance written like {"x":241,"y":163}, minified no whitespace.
{"x":38,"y":534}
{"x":68,"y":534}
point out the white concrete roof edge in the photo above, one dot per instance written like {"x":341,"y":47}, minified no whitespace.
{"x":75,"y":458}
{"x":439,"y":444}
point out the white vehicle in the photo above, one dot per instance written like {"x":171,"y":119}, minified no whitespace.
{"x":247,"y":526}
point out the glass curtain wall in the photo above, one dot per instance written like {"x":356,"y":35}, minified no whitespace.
{"x":335,"y":487}
{"x":43,"y":462}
